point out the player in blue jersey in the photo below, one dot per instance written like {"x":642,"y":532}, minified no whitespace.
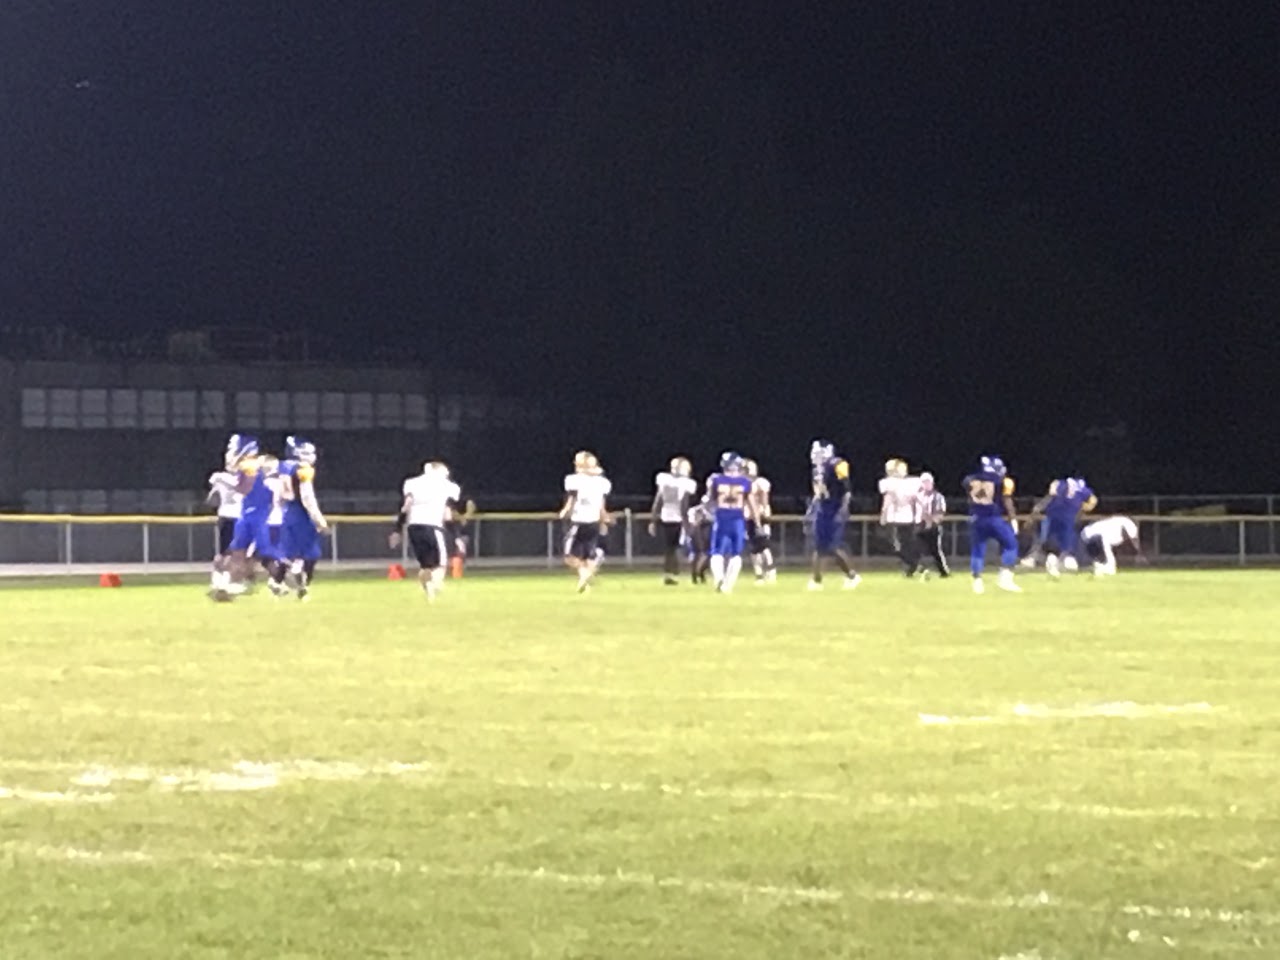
{"x":729,"y":494}
{"x":992,"y":516}
{"x":1061,"y":507}
{"x":255,"y":481}
{"x":303,"y":522}
{"x":829,"y":513}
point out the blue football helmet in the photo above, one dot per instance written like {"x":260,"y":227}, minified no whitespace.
{"x":821,"y":452}
{"x":304,"y":451}
{"x":727,"y":459}
{"x":994,"y":465}
{"x":240,"y":446}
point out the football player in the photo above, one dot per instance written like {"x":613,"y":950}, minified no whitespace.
{"x":698,"y":540}
{"x":1101,"y":537}
{"x":1061,"y":508}
{"x":898,"y":493}
{"x":225,"y":496}
{"x":670,"y":511}
{"x":729,"y":493}
{"x":829,"y":513}
{"x":431,"y":501}
{"x":303,"y":522}
{"x":585,"y":507}
{"x":759,"y":530}
{"x":992,"y":516}
{"x":251,"y":537}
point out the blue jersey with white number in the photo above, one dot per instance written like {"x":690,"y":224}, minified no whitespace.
{"x":259,"y":498}
{"x":728,"y":496}
{"x":985,"y":492}
{"x":1067,"y":498}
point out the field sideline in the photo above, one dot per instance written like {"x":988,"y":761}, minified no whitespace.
{"x":904,"y":772}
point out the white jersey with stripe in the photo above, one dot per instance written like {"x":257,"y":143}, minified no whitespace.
{"x":429,"y":496}
{"x":899,"y":504}
{"x":225,"y":485}
{"x":672,"y":491}
{"x":589,"y":491}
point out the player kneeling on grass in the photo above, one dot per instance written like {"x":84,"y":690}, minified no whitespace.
{"x":1102,"y":537}
{"x":586,"y":492}
{"x":430,"y":501}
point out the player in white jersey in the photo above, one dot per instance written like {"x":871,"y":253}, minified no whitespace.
{"x":898,"y":493}
{"x":759,"y":530}
{"x":585,"y":507}
{"x":1101,"y":537}
{"x":226,"y":496}
{"x":674,"y":489}
{"x":430,"y":501}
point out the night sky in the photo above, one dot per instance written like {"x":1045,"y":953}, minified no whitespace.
{"x":923,"y":229}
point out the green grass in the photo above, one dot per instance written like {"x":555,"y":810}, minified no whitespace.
{"x":644,"y":772}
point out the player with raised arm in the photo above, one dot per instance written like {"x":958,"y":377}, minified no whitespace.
{"x":303,"y":522}
{"x":669,"y":514}
{"x":992,"y":516}
{"x":829,"y":513}
{"x":431,"y":502}
{"x":1061,"y":507}
{"x":898,"y":493}
{"x":729,"y":493}
{"x":1101,"y":537}
{"x":585,"y":507}
{"x":759,"y":530}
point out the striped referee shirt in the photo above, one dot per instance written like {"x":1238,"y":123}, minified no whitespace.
{"x":929,"y":507}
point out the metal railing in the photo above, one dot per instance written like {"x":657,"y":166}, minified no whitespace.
{"x":55,"y":544}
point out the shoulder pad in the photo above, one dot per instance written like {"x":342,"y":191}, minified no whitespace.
{"x":842,"y":469}
{"x":306,"y":473}
{"x":1008,"y":486}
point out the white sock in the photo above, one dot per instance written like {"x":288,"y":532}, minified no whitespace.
{"x":717,"y":568}
{"x":757,"y":564}
{"x":734,"y":567}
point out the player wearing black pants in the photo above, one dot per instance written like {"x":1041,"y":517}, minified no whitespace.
{"x":903,"y":541}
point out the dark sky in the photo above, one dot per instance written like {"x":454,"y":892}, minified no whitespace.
{"x":926,"y":229}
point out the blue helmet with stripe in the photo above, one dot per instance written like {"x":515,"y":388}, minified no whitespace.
{"x":304,"y":451}
{"x":240,"y":446}
{"x":728,"y":459}
{"x":821,"y":451}
{"x":995,"y":465}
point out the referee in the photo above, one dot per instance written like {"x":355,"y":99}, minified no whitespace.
{"x":931,"y":509}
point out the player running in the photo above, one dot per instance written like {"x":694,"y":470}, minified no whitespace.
{"x":670,"y":510}
{"x":431,"y":501}
{"x":729,"y":493}
{"x":1101,"y":537}
{"x":829,"y":513}
{"x":587,"y":490}
{"x":992,"y":516}
{"x":303,"y":522}
{"x":759,"y":530}
{"x":1061,"y":506}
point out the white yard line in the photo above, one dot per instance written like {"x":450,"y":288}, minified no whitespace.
{"x":250,"y":776}
{"x":16,"y":851}
{"x":1115,"y":710}
{"x":22,"y":794}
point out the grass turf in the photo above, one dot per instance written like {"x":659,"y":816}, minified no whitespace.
{"x":644,"y":772}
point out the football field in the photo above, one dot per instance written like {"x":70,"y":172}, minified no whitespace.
{"x":904,"y":772}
